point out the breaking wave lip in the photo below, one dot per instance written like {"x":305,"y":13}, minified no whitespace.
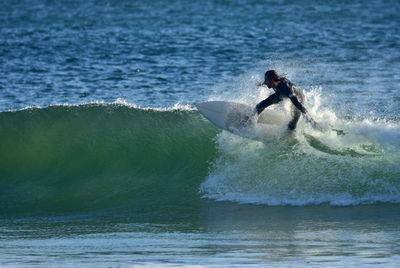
{"x":119,"y":102}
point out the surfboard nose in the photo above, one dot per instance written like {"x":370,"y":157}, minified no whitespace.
{"x":199,"y":105}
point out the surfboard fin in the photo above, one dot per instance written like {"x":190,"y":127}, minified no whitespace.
{"x":339,"y":132}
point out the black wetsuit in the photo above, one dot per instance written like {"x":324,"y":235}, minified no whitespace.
{"x":286,"y":89}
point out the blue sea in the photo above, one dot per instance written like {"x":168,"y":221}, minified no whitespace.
{"x":106,"y":162}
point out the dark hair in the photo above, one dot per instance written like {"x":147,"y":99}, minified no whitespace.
{"x":272,"y":75}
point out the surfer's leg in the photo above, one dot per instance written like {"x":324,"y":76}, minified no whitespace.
{"x":295,"y":118}
{"x":296,"y":112}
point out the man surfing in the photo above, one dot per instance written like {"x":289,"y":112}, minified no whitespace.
{"x":285,"y":89}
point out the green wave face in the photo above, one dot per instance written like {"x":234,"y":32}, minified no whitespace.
{"x":89,"y":157}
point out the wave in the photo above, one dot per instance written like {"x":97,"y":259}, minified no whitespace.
{"x":63,"y":159}
{"x":100,"y":156}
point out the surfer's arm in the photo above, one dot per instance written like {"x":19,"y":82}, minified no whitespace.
{"x":274,"y":98}
{"x":302,"y":109}
{"x":297,"y":104}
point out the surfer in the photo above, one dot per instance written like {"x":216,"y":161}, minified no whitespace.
{"x":284,"y":89}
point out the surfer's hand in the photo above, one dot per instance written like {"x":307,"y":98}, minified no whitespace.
{"x":246,"y":121}
{"x":314,"y":124}
{"x":311,"y":121}
{"x":246,"y":118}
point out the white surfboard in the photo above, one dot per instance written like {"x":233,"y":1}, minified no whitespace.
{"x":242,"y":119}
{"x":231,"y":116}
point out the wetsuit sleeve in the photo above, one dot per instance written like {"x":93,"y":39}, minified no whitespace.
{"x":274,"y":98}
{"x":300,"y":106}
{"x":297,"y":104}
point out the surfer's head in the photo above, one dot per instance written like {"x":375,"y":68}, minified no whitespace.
{"x":272,"y":79}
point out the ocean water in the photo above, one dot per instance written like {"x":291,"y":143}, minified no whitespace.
{"x":105,"y":161}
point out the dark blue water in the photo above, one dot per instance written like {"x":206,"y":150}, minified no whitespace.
{"x":105,"y":161}
{"x":159,"y":53}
